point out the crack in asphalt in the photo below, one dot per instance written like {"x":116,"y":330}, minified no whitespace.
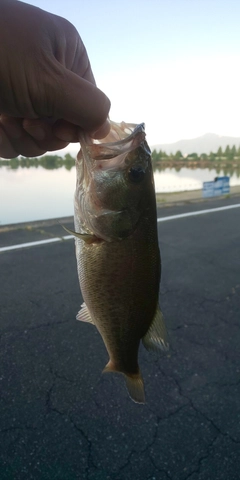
{"x":186,"y":325}
{"x":221,"y":301}
{"x":48,"y":397}
{"x":90,"y":462}
{"x":159,"y":420}
{"x":60,"y":377}
{"x":160,"y":470}
{"x":144,"y":451}
{"x":197,"y":410}
{"x":202,"y":304}
{"x":44,"y":325}
{"x":49,"y":407}
{"x":218,"y":430}
{"x":18,"y":332}
{"x":203,"y":458}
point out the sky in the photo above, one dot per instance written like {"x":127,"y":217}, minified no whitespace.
{"x":172,"y":64}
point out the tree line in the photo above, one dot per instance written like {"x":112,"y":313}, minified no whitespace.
{"x":50,"y":162}
{"x":227,"y":154}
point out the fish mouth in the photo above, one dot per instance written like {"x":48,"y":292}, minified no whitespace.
{"x":122,"y":139}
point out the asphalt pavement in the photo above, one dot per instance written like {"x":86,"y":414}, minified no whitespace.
{"x":61,"y":419}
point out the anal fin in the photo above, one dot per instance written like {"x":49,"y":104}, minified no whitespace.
{"x":156,"y":338}
{"x":84,"y":315}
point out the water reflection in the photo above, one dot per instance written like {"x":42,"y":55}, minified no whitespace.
{"x":28,"y":194}
{"x":185,"y":179}
{"x":49,"y":162}
{"x":226,"y":169}
{"x":53,"y":162}
{"x":41,"y":188}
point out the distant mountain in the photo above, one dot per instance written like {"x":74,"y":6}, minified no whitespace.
{"x":210,"y":142}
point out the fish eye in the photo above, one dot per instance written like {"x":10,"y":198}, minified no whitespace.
{"x":136,"y":174}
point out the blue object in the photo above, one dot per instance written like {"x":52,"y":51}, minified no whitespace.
{"x":220,"y":186}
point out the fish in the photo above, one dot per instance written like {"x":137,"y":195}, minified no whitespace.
{"x":117,"y":252}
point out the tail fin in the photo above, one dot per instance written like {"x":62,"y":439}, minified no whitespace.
{"x":134,"y":383}
{"x":135,"y":387}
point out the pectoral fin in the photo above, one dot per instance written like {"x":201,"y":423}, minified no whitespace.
{"x":86,"y":237}
{"x":156,"y":336}
{"x":84,"y":315}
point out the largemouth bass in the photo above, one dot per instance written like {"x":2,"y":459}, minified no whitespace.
{"x":117,"y":251}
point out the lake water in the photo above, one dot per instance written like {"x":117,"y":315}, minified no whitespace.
{"x":28,"y":194}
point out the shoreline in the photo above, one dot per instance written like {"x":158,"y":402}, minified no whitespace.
{"x":163,"y":200}
{"x":189,"y":196}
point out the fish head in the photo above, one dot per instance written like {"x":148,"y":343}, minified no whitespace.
{"x":114,"y":183}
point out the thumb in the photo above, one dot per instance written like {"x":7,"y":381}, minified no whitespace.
{"x":80,"y":102}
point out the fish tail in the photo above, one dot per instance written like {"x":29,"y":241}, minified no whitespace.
{"x":110,"y":367}
{"x":134,"y":382}
{"x":135,"y":387}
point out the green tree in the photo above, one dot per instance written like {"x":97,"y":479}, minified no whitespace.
{"x":69,"y":157}
{"x":233,"y":151}
{"x":69,"y":161}
{"x":14,"y":163}
{"x":4,"y":162}
{"x":178,"y":155}
{"x":51,"y":162}
{"x":220,"y":152}
{"x":155,"y":156}
{"x":193,"y":155}
{"x":212,"y":156}
{"x":227,"y":151}
{"x":162,"y":154}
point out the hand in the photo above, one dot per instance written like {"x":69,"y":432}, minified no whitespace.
{"x":47,"y":88}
